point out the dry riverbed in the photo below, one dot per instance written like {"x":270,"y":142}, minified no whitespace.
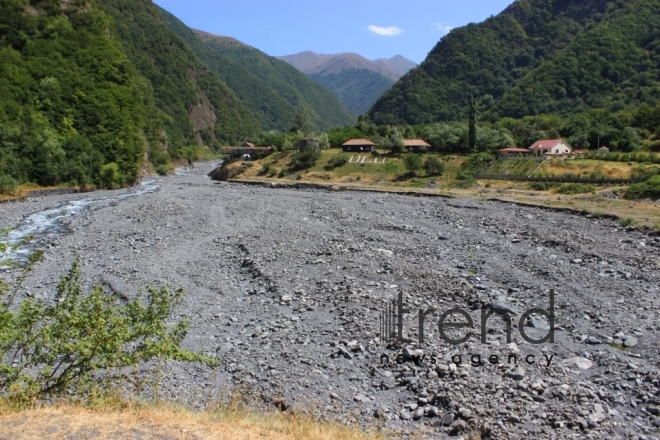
{"x":287,"y":286}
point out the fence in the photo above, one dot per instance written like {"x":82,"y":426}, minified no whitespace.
{"x":564,"y":178}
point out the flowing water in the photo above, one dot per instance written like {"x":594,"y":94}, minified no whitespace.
{"x":40,"y":226}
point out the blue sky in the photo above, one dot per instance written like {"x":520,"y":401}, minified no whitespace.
{"x":372,"y":28}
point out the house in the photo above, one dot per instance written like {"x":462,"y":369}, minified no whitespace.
{"x":513,"y":153}
{"x":308,"y":143}
{"x":550,"y":148}
{"x":603,"y":149}
{"x":416,"y":145}
{"x":359,"y":146}
{"x":247,"y":145}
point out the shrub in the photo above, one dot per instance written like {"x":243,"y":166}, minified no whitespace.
{"x":433,"y":166}
{"x":474,"y":165}
{"x":336,"y":162}
{"x":81,"y":343}
{"x":648,"y":189}
{"x":8,"y":185}
{"x":163,"y":170}
{"x":110,"y":177}
{"x":304,"y":160}
{"x":412,"y":162}
{"x":626,"y":221}
{"x":575,"y":188}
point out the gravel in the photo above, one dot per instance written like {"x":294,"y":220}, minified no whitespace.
{"x":286,"y":287}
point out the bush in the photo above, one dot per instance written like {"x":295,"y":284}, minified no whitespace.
{"x":163,"y":170}
{"x":304,"y":160}
{"x":8,"y":185}
{"x":575,"y":188}
{"x":413,"y":163}
{"x":433,"y":166}
{"x":110,"y":177}
{"x":474,"y":165}
{"x":268,"y":169}
{"x":649,"y":189}
{"x":336,"y":162}
{"x":81,"y":343}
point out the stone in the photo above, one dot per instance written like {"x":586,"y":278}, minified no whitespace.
{"x":418,"y":414}
{"x":405,"y":415}
{"x":385,"y":252}
{"x":630,"y":342}
{"x":465,"y":413}
{"x":593,"y":340}
{"x":517,"y":374}
{"x":432,"y":411}
{"x":578,"y":362}
{"x":503,"y":307}
{"x":448,"y":419}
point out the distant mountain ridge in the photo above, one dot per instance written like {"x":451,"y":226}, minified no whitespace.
{"x":356,"y":81}
{"x":310,"y":63}
{"x":271,"y":89}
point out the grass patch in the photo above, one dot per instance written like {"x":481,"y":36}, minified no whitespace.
{"x":648,"y":189}
{"x":626,"y":221}
{"x":619,"y":347}
{"x":575,"y":188}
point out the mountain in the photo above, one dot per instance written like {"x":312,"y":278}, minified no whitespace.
{"x":354,"y":80}
{"x":270,"y":88}
{"x":537,"y":56}
{"x":196,"y":105}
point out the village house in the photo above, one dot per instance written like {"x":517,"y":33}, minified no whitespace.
{"x":603,"y":149}
{"x":308,"y":143}
{"x":550,"y":148}
{"x":247,"y":145}
{"x":359,"y":146}
{"x":416,"y":145}
{"x":514,"y":153}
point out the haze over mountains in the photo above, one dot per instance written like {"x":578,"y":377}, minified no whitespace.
{"x":355,"y":80}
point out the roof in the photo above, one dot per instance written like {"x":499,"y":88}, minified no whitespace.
{"x":547,"y":143}
{"x":579,"y":151}
{"x":359,"y":142}
{"x":604,"y":148}
{"x":514,"y":150}
{"x":249,"y":144}
{"x":415,"y":143}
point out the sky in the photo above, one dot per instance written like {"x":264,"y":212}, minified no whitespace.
{"x":371,"y":28}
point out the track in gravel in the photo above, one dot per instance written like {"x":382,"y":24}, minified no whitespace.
{"x":287,"y":287}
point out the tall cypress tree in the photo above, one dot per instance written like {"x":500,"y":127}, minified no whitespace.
{"x":472,"y":128}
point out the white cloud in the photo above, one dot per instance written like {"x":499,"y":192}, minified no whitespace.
{"x":390,"y":31}
{"x":441,"y":27}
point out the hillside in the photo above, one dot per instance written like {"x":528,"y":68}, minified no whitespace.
{"x":73,"y":108}
{"x":356,"y":81}
{"x":537,"y":56}
{"x":270,"y":88}
{"x":357,"y":89}
{"x":196,"y":105}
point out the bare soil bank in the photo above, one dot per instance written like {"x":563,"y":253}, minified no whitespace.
{"x":287,"y":286}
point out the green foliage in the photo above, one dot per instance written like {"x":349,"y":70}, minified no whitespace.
{"x":474,"y":165}
{"x":303,"y":122}
{"x":357,"y":89}
{"x":472,"y":126}
{"x":626,"y":221}
{"x":8,"y":185}
{"x":304,"y":160}
{"x":268,"y":170}
{"x":82,"y":342}
{"x":336,"y":162}
{"x":71,"y":100}
{"x":537,"y":57}
{"x":433,"y":166}
{"x":413,"y":163}
{"x":575,"y":188}
{"x":648,"y":189}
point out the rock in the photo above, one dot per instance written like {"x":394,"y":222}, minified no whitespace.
{"x":514,"y":419}
{"x":579,"y":362}
{"x":465,"y":413}
{"x":503,"y":307}
{"x":630,"y":342}
{"x":517,"y":374}
{"x":448,"y":419}
{"x":459,"y":426}
{"x":536,"y":322}
{"x":385,"y":252}
{"x":593,"y":340}
{"x":418,"y":414}
{"x":405,"y":415}
{"x":432,"y":411}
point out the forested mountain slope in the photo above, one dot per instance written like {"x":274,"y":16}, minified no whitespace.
{"x":72,"y":105}
{"x":193,"y":98}
{"x":295,"y":87}
{"x":537,"y":56}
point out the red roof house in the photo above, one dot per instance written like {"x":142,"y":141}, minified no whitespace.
{"x":550,"y":147}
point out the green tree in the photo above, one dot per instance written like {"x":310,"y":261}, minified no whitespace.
{"x":303,"y":121}
{"x":396,"y":142}
{"x":413,"y":163}
{"x":433,"y":166}
{"x":472,"y":126}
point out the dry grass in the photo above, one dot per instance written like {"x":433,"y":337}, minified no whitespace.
{"x":157,"y":422}
{"x":587,"y":167}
